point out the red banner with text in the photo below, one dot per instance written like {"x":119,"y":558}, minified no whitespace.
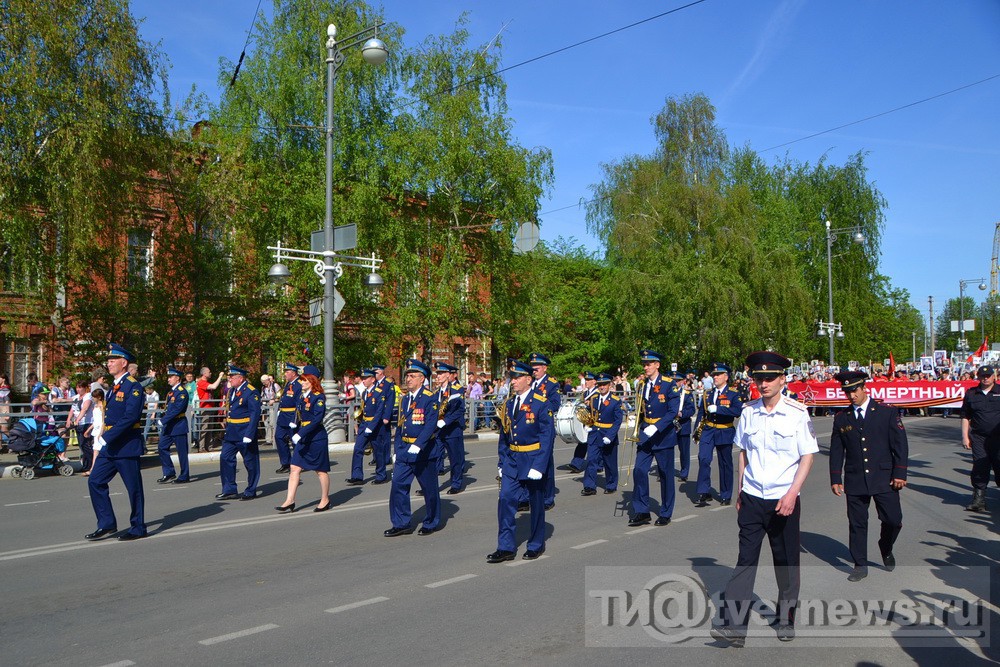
{"x":902,"y":394}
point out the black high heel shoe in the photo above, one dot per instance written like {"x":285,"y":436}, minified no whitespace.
{"x":285,"y":510}
{"x":323,"y":509}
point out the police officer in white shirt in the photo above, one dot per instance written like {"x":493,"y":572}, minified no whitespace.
{"x":776,"y":441}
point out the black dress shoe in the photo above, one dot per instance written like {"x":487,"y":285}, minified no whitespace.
{"x":703,"y":501}
{"x":683,"y":478}
{"x":662,"y":521}
{"x":608,"y":492}
{"x":419,"y":492}
{"x":99,"y":533}
{"x":426,"y":531}
{"x":283,"y":470}
{"x":227,"y":496}
{"x":166,"y":479}
{"x":728,"y":634}
{"x":785,"y":632}
{"x":890,"y":561}
{"x":381,"y":481}
{"x":454,"y":492}
{"x":588,"y":492}
{"x":181,"y":481}
{"x":523,"y":506}
{"x":354,"y":481}
{"x":128,"y":537}
{"x":442,"y":473}
{"x":322,"y":508}
{"x":640,"y":519}
{"x":858,"y":573}
{"x":549,"y":506}
{"x":393,"y":532}
{"x":726,"y":501}
{"x":285,"y":509}
{"x":371,"y":464}
{"x":500,"y":556}
{"x":532,"y":554}
{"x":246,"y":497}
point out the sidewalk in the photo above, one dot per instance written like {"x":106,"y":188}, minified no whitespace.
{"x":150,"y":460}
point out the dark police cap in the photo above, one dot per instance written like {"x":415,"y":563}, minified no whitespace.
{"x":116,"y":351}
{"x":537,"y":359}
{"x":589,"y":375}
{"x":718,"y":368}
{"x":309,"y":369}
{"x":518,"y":367}
{"x":442,"y":367}
{"x":291,"y":367}
{"x":767,"y":363}
{"x":650,"y":355}
{"x":850,"y":380}
{"x":173,"y":371}
{"x":367,"y":372}
{"x":985,"y":371}
{"x":417,"y":366}
{"x":603,"y":378}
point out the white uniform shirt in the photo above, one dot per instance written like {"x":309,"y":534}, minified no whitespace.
{"x":774,"y":443}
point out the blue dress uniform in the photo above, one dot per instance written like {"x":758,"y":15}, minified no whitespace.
{"x":286,"y":415}
{"x":417,"y":422}
{"x":549,"y":389}
{"x":661,"y":399}
{"x":368,"y":426}
{"x":385,"y":392}
{"x":717,"y":438}
{"x":240,"y":436}
{"x":311,"y":444}
{"x":683,"y":425}
{"x":450,"y":435}
{"x":579,"y":461}
{"x":865,"y":456}
{"x":524,"y":447}
{"x":123,"y":445}
{"x":174,"y":432}
{"x":602,"y":441}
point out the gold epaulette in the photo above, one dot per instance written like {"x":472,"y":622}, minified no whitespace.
{"x":539,"y":397}
{"x":428,"y":392}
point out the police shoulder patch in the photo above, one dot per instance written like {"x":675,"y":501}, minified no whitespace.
{"x":320,"y":402}
{"x":677,"y":389}
{"x":135,"y":392}
{"x":251,"y":387}
{"x":794,"y":404}
{"x":538,"y":397}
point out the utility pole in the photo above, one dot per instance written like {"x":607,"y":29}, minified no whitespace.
{"x":930,"y":302}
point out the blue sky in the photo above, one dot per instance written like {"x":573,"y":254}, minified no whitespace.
{"x":776,"y":70}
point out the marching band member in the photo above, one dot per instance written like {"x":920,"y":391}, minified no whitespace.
{"x":240,"y":436}
{"x":717,"y":413}
{"x":451,"y":424}
{"x":579,"y":461}
{"x":286,"y":413}
{"x":683,"y":424}
{"x":602,"y":441}
{"x":368,"y":424}
{"x":548,"y":388}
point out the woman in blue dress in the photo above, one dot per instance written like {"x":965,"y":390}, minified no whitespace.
{"x":310,"y":446}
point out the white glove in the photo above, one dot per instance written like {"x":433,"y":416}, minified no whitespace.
{"x":650,"y":431}
{"x":534,"y":474}
{"x":159,"y":423}
{"x":247,"y":441}
{"x":587,"y":429}
{"x":292,"y":425}
{"x":413,"y":450}
{"x":368,"y":431}
{"x":440,"y":423}
{"x":607,"y":441}
{"x":712,"y":409}
{"x":296,"y":438}
{"x":499,"y":471}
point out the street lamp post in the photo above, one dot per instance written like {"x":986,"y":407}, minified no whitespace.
{"x":858,"y":237}
{"x":962,"y":344}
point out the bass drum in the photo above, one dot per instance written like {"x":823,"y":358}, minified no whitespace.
{"x":568,"y":427}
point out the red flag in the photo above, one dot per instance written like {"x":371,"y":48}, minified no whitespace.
{"x":892,"y":365}
{"x":980,"y":352}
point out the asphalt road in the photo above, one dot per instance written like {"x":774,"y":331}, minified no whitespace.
{"x":234,"y":583}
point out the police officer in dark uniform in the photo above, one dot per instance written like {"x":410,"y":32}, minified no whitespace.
{"x":286,"y":416}
{"x":548,"y":388}
{"x":579,"y":461}
{"x":368,"y":424}
{"x":450,"y":425}
{"x":174,"y":430}
{"x":683,"y":425}
{"x":416,"y":454}
{"x":868,"y":456}
{"x":121,"y":447}
{"x":602,"y":440}
{"x":981,"y":434}
{"x":240,"y":436}
{"x":385,"y":394}
{"x":524,"y":450}
{"x":657,"y":439}
{"x":719,"y":409}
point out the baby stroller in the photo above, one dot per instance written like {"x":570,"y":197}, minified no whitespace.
{"x":36,"y":450}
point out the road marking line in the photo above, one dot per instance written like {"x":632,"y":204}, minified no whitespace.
{"x":913,"y":456}
{"x":589,"y":544}
{"x":639,"y":530}
{"x":355,"y":605}
{"x":719,"y":508}
{"x":515,"y":563}
{"x":453,"y":580}
{"x":237,"y":635}
{"x":121,"y":663}
{"x":33,"y":502}
{"x":685,"y":518}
